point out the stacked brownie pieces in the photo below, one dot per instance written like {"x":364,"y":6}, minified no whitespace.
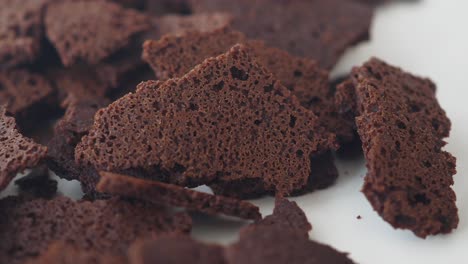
{"x":154,"y":98}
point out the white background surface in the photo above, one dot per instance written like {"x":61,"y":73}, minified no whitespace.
{"x":429,"y":38}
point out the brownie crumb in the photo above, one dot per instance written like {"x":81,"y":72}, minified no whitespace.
{"x":358,"y":217}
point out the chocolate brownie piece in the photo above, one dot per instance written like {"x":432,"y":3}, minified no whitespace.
{"x":179,"y":25}
{"x":226,"y":119}
{"x":175,"y":248}
{"x":317,"y":29}
{"x":28,"y":227}
{"x":17,"y":152}
{"x":24,"y":92}
{"x":282,"y":238}
{"x":173,"y":56}
{"x":66,"y":253}
{"x":273,"y":245}
{"x":163,"y":193}
{"x":401,"y":126}
{"x":91,"y":30}
{"x":20,"y":31}
{"x":287,"y":215}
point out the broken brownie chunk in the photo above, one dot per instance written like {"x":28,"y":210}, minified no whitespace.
{"x":402,"y":127}
{"x":91,"y":30}
{"x":228,"y":119}
{"x":17,"y":152}
{"x":21,"y":31}
{"x":28,"y":227}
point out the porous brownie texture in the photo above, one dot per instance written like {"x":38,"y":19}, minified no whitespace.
{"x":402,"y":127}
{"x":21,"y":31}
{"x":228,"y":118}
{"x":317,"y":29}
{"x":28,"y":227}
{"x":169,"y":194}
{"x":17,"y":152}
{"x":88,"y":31}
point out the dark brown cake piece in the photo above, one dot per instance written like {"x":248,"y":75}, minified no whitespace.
{"x":173,"y":56}
{"x":91,"y":30}
{"x":317,"y":29}
{"x":226,"y":119}
{"x":65,"y":253}
{"x":274,"y":245}
{"x":20,"y":31}
{"x":17,"y":152}
{"x":174,"y":248}
{"x":28,"y":227}
{"x":168,"y":194}
{"x":287,"y":215}
{"x":24,"y":92}
{"x":282,"y":238}
{"x":401,"y":126}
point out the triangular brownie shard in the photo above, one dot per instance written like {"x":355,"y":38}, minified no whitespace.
{"x":226,"y":119}
{"x":402,"y":127}
{"x":91,"y":30}
{"x":175,"y":248}
{"x":282,"y":238}
{"x":317,"y":29}
{"x":20,"y":31}
{"x":28,"y":227}
{"x":287,"y":215}
{"x":17,"y":152}
{"x":168,"y":194}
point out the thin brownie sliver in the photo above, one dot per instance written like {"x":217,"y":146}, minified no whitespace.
{"x":228,"y":119}
{"x":91,"y":30}
{"x":21,"y":31}
{"x":28,"y":227}
{"x":317,"y":29}
{"x":175,"y":248}
{"x":17,"y":152}
{"x":169,"y":194}
{"x":402,"y":127}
